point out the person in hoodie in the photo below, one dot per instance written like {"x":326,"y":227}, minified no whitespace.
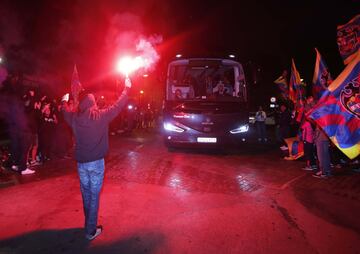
{"x":90,"y":127}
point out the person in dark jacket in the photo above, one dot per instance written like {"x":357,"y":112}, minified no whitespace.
{"x":283,"y":126}
{"x":90,"y":127}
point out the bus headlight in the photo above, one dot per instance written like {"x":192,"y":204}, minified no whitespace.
{"x":240,"y":129}
{"x":172,"y":127}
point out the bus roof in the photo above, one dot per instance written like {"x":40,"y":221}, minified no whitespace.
{"x":204,"y":61}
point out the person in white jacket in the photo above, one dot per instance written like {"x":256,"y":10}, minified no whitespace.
{"x":260,"y":118}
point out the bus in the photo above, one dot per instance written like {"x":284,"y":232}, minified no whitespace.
{"x":206,"y":102}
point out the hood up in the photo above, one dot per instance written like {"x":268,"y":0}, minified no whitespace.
{"x":87,"y":102}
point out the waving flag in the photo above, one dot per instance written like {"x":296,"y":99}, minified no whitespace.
{"x":294,"y":82}
{"x":283,"y":85}
{"x":322,"y":77}
{"x":296,"y":148}
{"x":296,"y":91}
{"x":338,"y":110}
{"x":76,"y":86}
{"x":348,"y":39}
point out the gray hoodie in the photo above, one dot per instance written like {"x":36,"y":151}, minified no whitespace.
{"x":91,"y":125}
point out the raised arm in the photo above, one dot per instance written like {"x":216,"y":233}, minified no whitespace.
{"x":68,"y":114}
{"x":111,"y":112}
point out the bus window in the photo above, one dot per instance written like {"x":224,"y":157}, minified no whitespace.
{"x":206,"y":79}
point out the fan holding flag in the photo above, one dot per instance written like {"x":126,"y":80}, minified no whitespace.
{"x":337,"y":111}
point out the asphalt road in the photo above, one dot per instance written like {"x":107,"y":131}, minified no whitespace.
{"x":246,"y":200}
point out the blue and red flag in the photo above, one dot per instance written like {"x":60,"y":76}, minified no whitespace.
{"x":76,"y":86}
{"x":283,"y":85}
{"x":296,"y":91}
{"x":322,"y":78}
{"x":296,"y":148}
{"x":348,"y":39}
{"x":338,"y":110}
{"x":295,"y":84}
{"x":294,"y":80}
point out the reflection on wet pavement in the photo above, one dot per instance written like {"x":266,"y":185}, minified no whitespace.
{"x":179,"y":172}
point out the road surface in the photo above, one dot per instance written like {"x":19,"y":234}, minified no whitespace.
{"x":246,"y":200}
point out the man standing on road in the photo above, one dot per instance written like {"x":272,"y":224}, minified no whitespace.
{"x":323,"y":153}
{"x":90,"y":127}
{"x":260,"y":118}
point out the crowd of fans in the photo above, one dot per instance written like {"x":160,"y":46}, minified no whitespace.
{"x":34,"y":124}
{"x":135,"y":117}
{"x":320,"y":154}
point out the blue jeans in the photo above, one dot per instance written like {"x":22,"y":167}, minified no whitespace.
{"x":323,"y":154}
{"x":91,"y":176}
{"x":261,"y":130}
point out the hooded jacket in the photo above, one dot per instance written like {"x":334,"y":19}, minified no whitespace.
{"x":91,"y":126}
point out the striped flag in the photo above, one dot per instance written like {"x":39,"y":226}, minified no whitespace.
{"x":296,"y":148}
{"x":296,"y":91}
{"x":295,"y":82}
{"x":76,"y":86}
{"x":348,"y":39}
{"x":283,"y":85}
{"x":322,"y":77}
{"x":338,"y":110}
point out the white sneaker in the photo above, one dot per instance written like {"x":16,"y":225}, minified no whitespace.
{"x":14,"y":167}
{"x":307,"y":168}
{"x":34,"y":163}
{"x":284,"y":148}
{"x":354,"y":162}
{"x":318,"y":174}
{"x":27,"y":171}
{"x":97,"y":232}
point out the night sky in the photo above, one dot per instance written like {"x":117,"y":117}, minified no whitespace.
{"x":45,"y":38}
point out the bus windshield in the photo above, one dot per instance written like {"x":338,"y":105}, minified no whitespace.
{"x":205,"y":79}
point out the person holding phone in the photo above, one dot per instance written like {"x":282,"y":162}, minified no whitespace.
{"x":90,"y":126}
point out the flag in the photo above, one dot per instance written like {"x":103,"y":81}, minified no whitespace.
{"x":338,"y":110}
{"x":322,"y":77}
{"x":348,"y":39}
{"x":76,"y":86}
{"x":294,"y":82}
{"x":296,"y":91}
{"x":283,"y":85}
{"x":296,"y":148}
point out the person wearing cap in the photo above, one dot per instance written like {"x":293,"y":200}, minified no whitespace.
{"x":90,"y":126}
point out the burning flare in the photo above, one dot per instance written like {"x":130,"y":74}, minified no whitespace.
{"x":146,"y":59}
{"x":127,"y":64}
